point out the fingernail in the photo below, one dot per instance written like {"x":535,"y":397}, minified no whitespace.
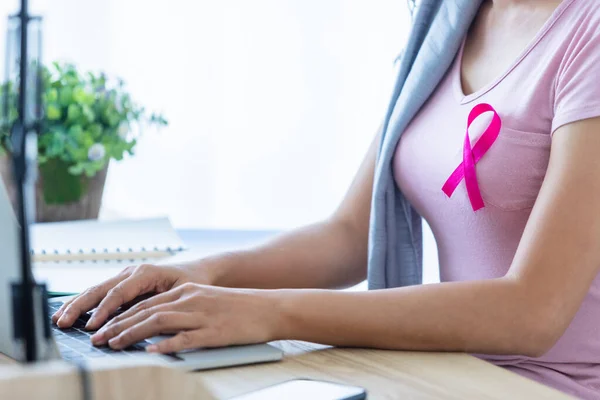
{"x":114,"y":342}
{"x":97,"y":338}
{"x":152,"y":348}
{"x":90,"y":323}
{"x":61,"y":321}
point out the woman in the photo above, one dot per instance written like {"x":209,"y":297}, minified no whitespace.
{"x":513,"y":207}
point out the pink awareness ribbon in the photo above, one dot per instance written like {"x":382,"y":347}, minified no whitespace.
{"x":466,"y":169}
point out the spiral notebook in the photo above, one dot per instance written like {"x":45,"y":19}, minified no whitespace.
{"x":98,"y":241}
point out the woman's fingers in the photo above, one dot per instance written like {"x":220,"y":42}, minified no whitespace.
{"x":138,"y":283}
{"x":114,"y":329}
{"x":70,"y":311}
{"x":142,"y":306}
{"x":157,"y":323}
{"x":61,"y":310}
{"x":146,"y":309}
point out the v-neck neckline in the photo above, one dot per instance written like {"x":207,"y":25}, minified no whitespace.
{"x":457,"y":78}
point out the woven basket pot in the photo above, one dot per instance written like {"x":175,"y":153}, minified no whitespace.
{"x":65,"y":197}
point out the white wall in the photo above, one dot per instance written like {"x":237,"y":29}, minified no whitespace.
{"x":272,"y":103}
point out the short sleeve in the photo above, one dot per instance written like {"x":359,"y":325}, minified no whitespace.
{"x":577,"y":91}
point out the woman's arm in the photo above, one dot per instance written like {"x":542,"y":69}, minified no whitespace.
{"x":329,"y":254}
{"x":524,"y":312}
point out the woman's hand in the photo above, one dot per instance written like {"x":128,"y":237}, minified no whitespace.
{"x":125,"y":287}
{"x":204,"y":316}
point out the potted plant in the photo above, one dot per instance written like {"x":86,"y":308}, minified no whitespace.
{"x":87,"y":122}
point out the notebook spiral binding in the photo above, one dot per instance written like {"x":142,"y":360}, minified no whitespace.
{"x":117,"y":249}
{"x":71,"y":255}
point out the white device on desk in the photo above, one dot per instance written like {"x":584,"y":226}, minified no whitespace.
{"x":300,"y":389}
{"x":74,"y":344}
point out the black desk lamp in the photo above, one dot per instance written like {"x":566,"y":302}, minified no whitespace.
{"x":23,"y":65}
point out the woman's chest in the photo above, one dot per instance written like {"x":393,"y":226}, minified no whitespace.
{"x":508,"y":174}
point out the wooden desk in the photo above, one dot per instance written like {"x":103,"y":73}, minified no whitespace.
{"x":385,"y":375}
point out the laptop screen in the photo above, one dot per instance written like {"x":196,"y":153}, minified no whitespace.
{"x":10,"y":272}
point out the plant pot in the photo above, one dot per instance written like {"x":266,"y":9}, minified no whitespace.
{"x":62,"y":203}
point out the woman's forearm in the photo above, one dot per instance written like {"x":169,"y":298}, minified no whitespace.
{"x":480,"y":317}
{"x":325,"y":255}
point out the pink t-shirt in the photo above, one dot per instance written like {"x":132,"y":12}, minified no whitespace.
{"x":555,"y":81}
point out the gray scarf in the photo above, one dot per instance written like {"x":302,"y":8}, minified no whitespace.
{"x":395,"y":240}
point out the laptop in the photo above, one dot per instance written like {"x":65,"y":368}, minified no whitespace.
{"x":74,"y":344}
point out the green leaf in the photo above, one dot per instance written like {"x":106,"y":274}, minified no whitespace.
{"x":90,"y":170}
{"x":78,"y":94}
{"x":76,"y":132}
{"x":57,"y":67}
{"x":95,"y":130}
{"x":87,"y":140}
{"x":88,"y":113}
{"x":111,"y":117}
{"x":76,"y":169}
{"x":74,"y":151}
{"x":52,"y":95}
{"x":65,"y":96}
{"x":52,"y":142}
{"x":53,"y":112}
{"x":73,"y":112}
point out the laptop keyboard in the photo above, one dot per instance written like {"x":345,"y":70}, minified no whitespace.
{"x":74,"y":343}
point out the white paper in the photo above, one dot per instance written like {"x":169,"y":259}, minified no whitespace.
{"x":105,"y":236}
